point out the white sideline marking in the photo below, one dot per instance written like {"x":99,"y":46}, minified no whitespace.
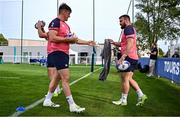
{"x":15,"y":114}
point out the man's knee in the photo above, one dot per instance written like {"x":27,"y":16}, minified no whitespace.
{"x":64,"y":74}
{"x":65,"y":80}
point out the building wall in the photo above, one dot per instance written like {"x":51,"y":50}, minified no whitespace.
{"x":89,"y":50}
{"x":13,"y":53}
{"x":26,"y":42}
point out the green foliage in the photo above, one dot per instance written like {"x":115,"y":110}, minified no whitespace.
{"x":142,"y":35}
{"x":161,"y":53}
{"x":158,"y":20}
{"x":3,"y":41}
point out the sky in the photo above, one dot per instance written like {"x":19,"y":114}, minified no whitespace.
{"x":107,"y":13}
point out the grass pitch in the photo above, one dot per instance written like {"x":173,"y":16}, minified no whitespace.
{"x":23,"y":84}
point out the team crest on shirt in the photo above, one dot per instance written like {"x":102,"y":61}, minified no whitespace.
{"x":52,"y":25}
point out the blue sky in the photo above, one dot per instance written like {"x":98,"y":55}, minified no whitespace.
{"x":106,"y":17}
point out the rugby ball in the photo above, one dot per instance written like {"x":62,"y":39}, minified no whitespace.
{"x":43,"y":24}
{"x":124,"y":66}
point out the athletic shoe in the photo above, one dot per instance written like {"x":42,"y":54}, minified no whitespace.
{"x":141,"y":100}
{"x":55,"y":94}
{"x":149,"y":75}
{"x":75,"y":108}
{"x":120,"y":102}
{"x":49,"y":103}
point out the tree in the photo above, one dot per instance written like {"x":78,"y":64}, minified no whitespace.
{"x":157,"y":20}
{"x":142,"y":35}
{"x":3,"y":41}
{"x":161,"y":53}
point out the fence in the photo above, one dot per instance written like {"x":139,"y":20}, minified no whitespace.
{"x":166,"y":67}
{"x":169,"y":68}
{"x":43,"y":59}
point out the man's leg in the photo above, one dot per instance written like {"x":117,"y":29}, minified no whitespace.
{"x":151,"y":67}
{"x":53,"y":73}
{"x":125,"y":81}
{"x":125,"y":76}
{"x":64,"y":73}
{"x":54,"y":59}
{"x":136,"y":87}
{"x":125,"y":85}
{"x":52,"y":86}
{"x":141,"y":96}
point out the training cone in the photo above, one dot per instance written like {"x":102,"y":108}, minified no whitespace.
{"x":20,"y":109}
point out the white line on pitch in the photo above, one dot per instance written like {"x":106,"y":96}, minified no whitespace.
{"x":15,"y":114}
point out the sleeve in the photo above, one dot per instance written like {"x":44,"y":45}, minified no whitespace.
{"x":129,"y":32}
{"x":54,"y":25}
{"x":156,"y":50}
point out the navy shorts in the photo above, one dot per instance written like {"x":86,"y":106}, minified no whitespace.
{"x":58,"y":59}
{"x":133,"y":65}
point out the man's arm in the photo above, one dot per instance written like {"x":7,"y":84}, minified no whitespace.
{"x":129,"y":33}
{"x":128,"y":48}
{"x":41,"y":31}
{"x":83,"y":42}
{"x":115,"y":43}
{"x":154,"y":52}
{"x":58,"y":39}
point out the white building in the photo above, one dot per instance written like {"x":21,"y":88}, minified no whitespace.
{"x":36,"y":49}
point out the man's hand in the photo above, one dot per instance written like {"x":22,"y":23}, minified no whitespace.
{"x":149,"y":52}
{"x":40,"y":28}
{"x":40,"y":24}
{"x":115,"y":43}
{"x":111,"y":41}
{"x":91,"y":43}
{"x":120,"y":61}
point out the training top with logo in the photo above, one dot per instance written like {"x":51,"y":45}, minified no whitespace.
{"x":129,"y":32}
{"x":63,"y":30}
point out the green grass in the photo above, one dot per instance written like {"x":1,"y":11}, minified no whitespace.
{"x":95,"y":95}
